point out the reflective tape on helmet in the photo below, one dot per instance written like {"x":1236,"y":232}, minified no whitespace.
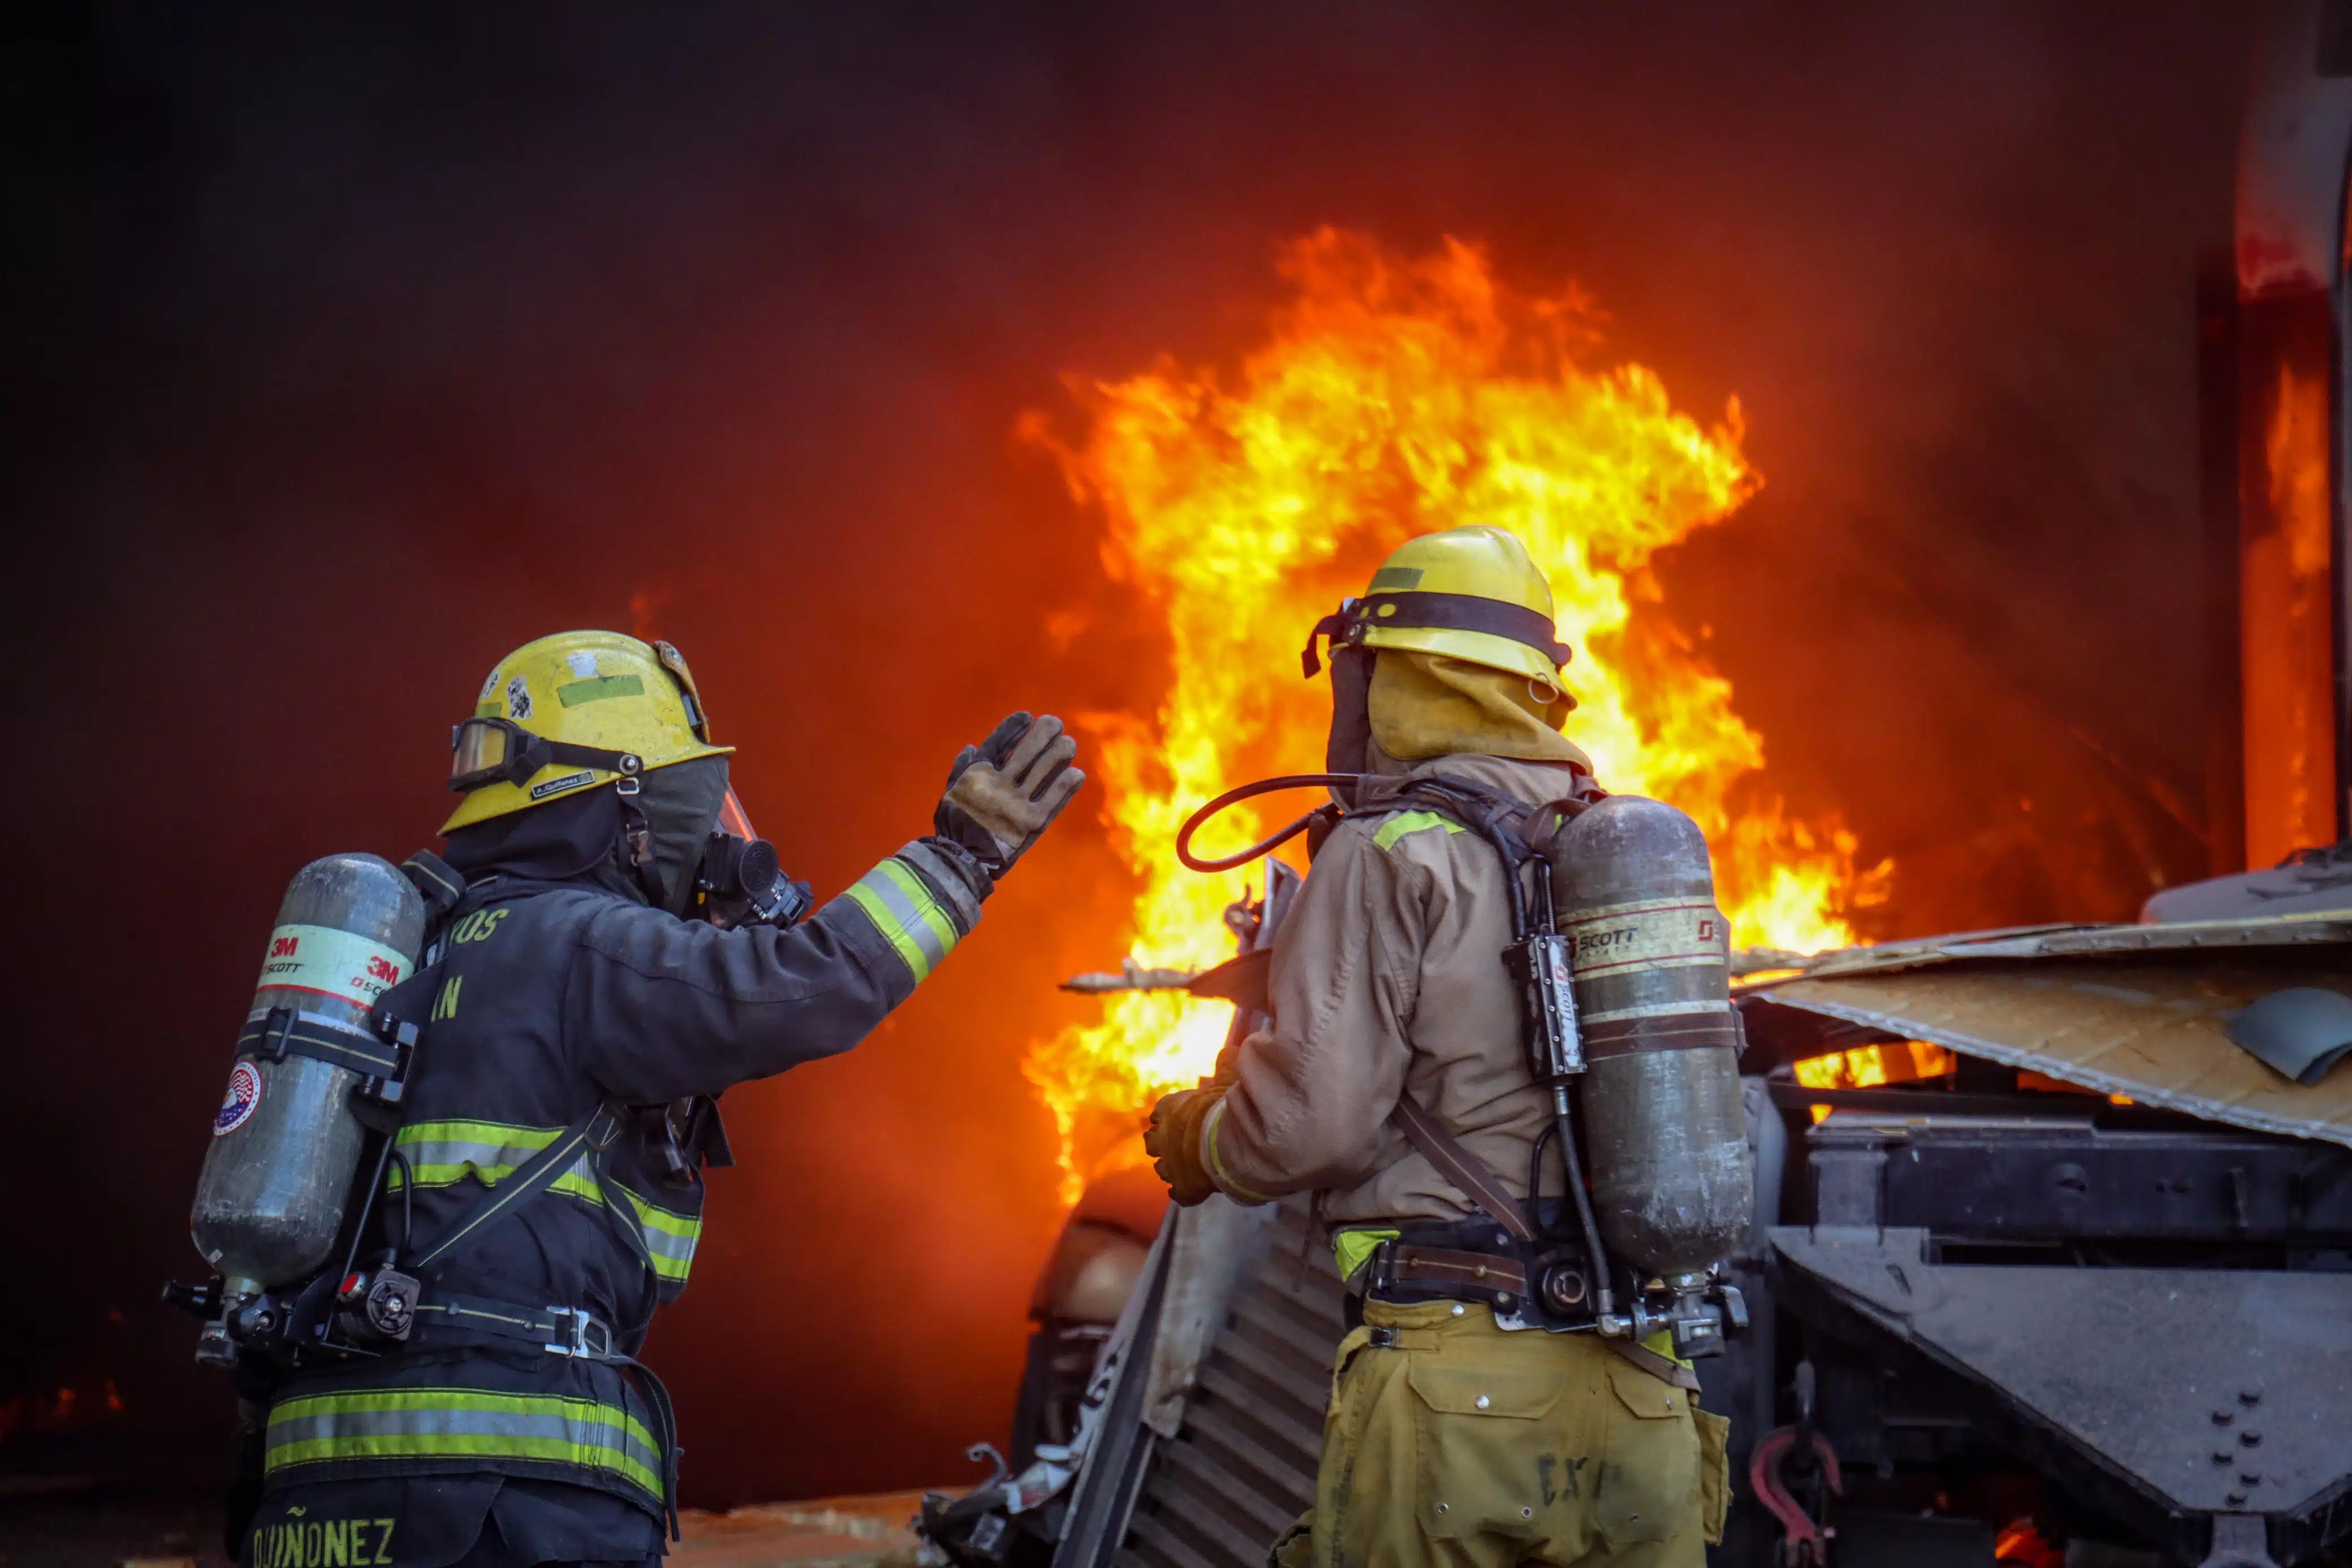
{"x":902,"y":907}
{"x":461,"y":1424}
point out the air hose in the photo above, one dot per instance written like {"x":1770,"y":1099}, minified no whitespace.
{"x":1193,"y":824}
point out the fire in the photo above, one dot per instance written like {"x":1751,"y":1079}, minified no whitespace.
{"x":1869,"y":1066}
{"x":1395,"y":397}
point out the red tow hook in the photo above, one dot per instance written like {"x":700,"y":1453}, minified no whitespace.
{"x":1804,"y":1544}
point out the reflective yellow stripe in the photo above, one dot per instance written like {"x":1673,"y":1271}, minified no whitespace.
{"x":900,"y":905}
{"x":1352,"y":1247}
{"x":927,"y":907}
{"x":461,"y":1422}
{"x":1216,"y":1162}
{"x":446,"y":1153}
{"x":1386,"y":835}
{"x":443,"y":1153}
{"x":671,"y":1237}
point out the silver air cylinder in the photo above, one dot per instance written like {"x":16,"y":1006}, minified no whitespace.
{"x":286,"y":1146}
{"x":1664,"y":1137}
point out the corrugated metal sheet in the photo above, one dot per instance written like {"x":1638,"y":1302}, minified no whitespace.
{"x":2112,"y":1018}
{"x":1240,"y":1469}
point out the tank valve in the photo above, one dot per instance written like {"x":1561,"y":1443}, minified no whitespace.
{"x":1699,"y":1311}
{"x":214,"y":1347}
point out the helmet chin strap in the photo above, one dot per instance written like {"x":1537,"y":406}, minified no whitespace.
{"x":637,"y":847}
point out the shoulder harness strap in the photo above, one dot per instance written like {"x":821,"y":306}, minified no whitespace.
{"x":1460,"y":1167}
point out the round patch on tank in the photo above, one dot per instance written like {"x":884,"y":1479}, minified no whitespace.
{"x":237,"y":1106}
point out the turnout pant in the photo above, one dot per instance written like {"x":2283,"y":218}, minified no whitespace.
{"x":1462,"y":1446}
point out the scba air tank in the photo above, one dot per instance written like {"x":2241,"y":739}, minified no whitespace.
{"x":1673,"y":1180}
{"x":285,"y":1144}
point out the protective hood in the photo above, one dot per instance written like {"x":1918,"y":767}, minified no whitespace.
{"x":559,"y":841}
{"x":585,"y":836}
{"x":1426,"y":705}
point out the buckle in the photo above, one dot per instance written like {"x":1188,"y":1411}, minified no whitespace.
{"x":590,"y":1339}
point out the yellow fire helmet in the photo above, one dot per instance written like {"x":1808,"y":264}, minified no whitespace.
{"x":569,"y":713}
{"x":1468,"y":593}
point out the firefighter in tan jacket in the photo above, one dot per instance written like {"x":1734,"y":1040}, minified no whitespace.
{"x":1450,"y":1439}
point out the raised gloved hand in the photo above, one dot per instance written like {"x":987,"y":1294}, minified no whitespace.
{"x":1004,"y":791}
{"x":1174,"y":1142}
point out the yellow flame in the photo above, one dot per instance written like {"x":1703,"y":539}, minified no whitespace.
{"x":1395,"y":397}
{"x":1869,"y":1066}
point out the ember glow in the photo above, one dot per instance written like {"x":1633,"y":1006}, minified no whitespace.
{"x":1395,"y":397}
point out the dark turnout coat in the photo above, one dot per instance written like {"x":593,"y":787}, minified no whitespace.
{"x":553,"y":1001}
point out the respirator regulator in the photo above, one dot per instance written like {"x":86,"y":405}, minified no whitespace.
{"x":742,"y":880}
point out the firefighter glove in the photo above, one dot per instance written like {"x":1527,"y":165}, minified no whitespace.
{"x":1174,"y":1142}
{"x":1007,"y":789}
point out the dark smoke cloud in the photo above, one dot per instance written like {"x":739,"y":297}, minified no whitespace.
{"x":350,"y":350}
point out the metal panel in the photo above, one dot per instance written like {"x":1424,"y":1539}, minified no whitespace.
{"x":2148,"y":1028}
{"x":1241,"y":1467}
{"x":2246,"y":1415}
{"x":1214,"y":1244}
{"x":2079,"y":941}
{"x":1974,"y":1177}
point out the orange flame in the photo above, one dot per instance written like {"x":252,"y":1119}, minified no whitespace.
{"x":1396,"y":397}
{"x":1869,"y":1066}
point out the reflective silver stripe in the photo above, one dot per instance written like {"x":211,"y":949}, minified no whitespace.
{"x":459,"y":1422}
{"x":945,"y":882}
{"x":441,"y":1151}
{"x":670,"y":1237}
{"x":899,"y":903}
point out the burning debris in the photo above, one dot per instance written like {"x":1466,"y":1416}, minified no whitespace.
{"x":1392,"y":397}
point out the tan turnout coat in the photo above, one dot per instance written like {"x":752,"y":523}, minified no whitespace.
{"x":1387,"y":975}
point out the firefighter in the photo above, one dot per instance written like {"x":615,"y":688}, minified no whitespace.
{"x":578,"y":1005}
{"x":1450,"y":1438}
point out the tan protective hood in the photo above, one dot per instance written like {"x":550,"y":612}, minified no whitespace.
{"x":1426,"y":705}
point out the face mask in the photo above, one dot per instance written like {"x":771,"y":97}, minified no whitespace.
{"x":680,"y":805}
{"x":742,"y":881}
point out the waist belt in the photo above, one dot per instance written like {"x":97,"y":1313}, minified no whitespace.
{"x":576,"y":1333}
{"x":1550,"y":1290}
{"x":573,"y":1332}
{"x":1529,"y":1284}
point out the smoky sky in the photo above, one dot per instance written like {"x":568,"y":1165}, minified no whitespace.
{"x":351,"y":350}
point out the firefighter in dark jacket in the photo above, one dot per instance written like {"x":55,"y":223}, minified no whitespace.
{"x":585,"y":1011}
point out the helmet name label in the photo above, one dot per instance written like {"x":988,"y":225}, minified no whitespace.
{"x":330,"y":962}
{"x":557,"y":786}
{"x":237,"y":1104}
